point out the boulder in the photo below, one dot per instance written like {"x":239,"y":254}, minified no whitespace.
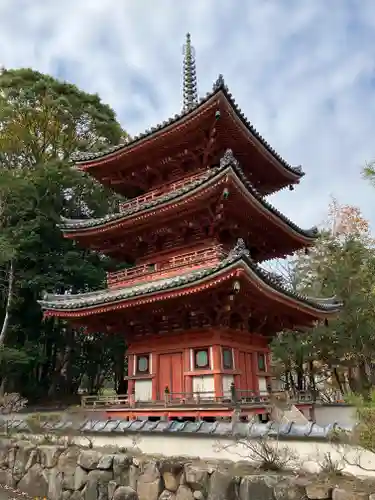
{"x":3,"y":454}
{"x":171,"y":480}
{"x":25,"y":457}
{"x":289,"y":490}
{"x":196,"y":476}
{"x":121,"y":469}
{"x":80,"y":478}
{"x":55,"y":484}
{"x":255,"y":487}
{"x":125,"y":493}
{"x":197,"y":495}
{"x":340,"y":494}
{"x":34,"y":458}
{"x":97,"y":485}
{"x":49,"y":455}
{"x":12,"y":453}
{"x":171,"y":470}
{"x":105,"y":463}
{"x":7,"y":479}
{"x":318,"y":491}
{"x":222,"y":487}
{"x":167,"y":495}
{"x":89,"y":459}
{"x":68,"y":458}
{"x":76,"y":495}
{"x":112,"y":485}
{"x":149,"y":484}
{"x":67,"y":464}
{"x":133,"y":477}
{"x":35,"y":482}
{"x":185,"y":493}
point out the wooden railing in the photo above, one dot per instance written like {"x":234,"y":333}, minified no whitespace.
{"x":185,"y":399}
{"x":156,"y":193}
{"x":190,"y":260}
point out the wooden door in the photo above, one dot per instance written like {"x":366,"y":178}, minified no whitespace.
{"x":170,"y":374}
{"x":176,"y":374}
{"x":245,"y":366}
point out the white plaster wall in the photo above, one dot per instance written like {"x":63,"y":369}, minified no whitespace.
{"x":205,"y":384}
{"x":227,"y":382}
{"x":343,"y":415}
{"x":262,"y":386}
{"x":143,"y":390}
{"x":310,"y":453}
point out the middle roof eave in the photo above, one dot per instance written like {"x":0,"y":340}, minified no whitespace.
{"x":228,"y":165}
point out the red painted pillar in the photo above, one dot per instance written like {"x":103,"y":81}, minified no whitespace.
{"x":155,"y":379}
{"x":237,"y":367}
{"x":254,"y":370}
{"x":131,"y":382}
{"x":268,"y":369}
{"x":218,"y":379}
{"x":188,"y":379}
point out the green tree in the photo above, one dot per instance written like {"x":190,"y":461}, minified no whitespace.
{"x":42,"y":122}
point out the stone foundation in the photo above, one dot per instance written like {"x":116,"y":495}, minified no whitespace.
{"x":59,"y":472}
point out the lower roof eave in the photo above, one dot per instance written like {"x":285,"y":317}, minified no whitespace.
{"x":238,"y":263}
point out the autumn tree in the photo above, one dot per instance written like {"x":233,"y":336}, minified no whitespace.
{"x":342,"y":263}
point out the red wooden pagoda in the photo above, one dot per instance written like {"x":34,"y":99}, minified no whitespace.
{"x":196,"y":308}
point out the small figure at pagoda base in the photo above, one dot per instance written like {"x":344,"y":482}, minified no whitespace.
{"x":196,"y":309}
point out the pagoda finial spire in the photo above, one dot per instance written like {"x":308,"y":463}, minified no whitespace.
{"x":190,"y":92}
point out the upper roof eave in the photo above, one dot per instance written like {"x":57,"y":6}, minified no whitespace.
{"x":84,"y":159}
{"x":237,"y":256}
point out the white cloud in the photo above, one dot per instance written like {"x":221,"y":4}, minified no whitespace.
{"x":301,"y":71}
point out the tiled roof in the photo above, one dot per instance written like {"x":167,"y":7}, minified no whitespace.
{"x":228,"y":162}
{"x":219,"y":86}
{"x":310,"y":431}
{"x":238,"y":256}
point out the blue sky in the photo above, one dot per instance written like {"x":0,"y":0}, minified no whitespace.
{"x":301,"y":70}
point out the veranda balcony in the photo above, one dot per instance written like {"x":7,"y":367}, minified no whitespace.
{"x":169,"y":267}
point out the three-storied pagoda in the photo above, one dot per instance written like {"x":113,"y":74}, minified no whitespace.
{"x":196,"y":308}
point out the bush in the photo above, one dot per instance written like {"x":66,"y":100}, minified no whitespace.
{"x":364,"y":431}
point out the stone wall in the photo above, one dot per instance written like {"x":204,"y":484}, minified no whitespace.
{"x":74,"y":473}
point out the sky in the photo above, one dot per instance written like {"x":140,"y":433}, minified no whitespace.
{"x":302,"y":71}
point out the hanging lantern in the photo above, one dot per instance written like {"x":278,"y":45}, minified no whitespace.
{"x":217,"y":114}
{"x":291,"y":187}
{"x":236,"y":286}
